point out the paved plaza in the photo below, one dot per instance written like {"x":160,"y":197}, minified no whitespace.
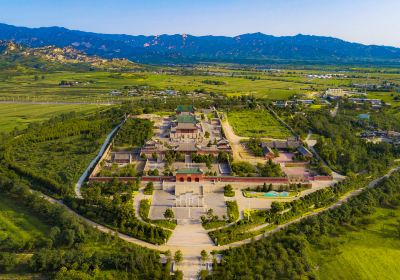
{"x":162,"y":200}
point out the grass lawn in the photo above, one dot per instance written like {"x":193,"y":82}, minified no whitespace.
{"x":17,"y":222}
{"x":21,"y":115}
{"x":258,"y":123}
{"x":369,"y":253}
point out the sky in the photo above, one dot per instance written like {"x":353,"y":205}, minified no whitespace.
{"x":364,"y":21}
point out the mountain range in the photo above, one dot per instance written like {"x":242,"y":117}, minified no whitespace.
{"x":184,"y":48}
{"x":48,"y":58}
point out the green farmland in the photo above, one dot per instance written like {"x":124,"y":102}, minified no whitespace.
{"x":21,"y":115}
{"x":95,"y":86}
{"x":260,"y":123}
{"x":364,"y":253}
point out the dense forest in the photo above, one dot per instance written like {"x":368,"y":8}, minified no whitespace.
{"x":339,"y":144}
{"x":134,"y":133}
{"x":68,"y":136}
{"x":71,"y":249}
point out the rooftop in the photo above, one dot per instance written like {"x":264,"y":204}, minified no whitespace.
{"x":189,"y":171}
{"x":122,"y":156}
{"x":185,"y":108}
{"x":186,"y":147}
{"x":186,"y":126}
{"x":304,"y":151}
{"x":186,"y":119}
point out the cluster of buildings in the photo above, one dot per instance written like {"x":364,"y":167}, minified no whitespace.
{"x":289,"y":103}
{"x":289,"y":145}
{"x":375,"y":103}
{"x":376,"y":136}
{"x":189,"y":135}
{"x":337,"y":93}
{"x":325,"y":76}
{"x":138,"y":92}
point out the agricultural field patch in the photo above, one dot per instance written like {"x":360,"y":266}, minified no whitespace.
{"x":364,"y":253}
{"x":17,"y":223}
{"x":258,"y":123}
{"x":21,"y":115}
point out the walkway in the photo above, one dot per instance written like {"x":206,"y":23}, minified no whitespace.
{"x":191,"y":239}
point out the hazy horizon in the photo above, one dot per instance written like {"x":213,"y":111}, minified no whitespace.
{"x":366,"y":22}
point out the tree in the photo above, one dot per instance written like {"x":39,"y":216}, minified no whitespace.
{"x":204,"y":255}
{"x":7,"y":261}
{"x":178,"y":257}
{"x":228,"y":191}
{"x":276,"y":207}
{"x":148,"y":190}
{"x":168,"y":254}
{"x":169,"y":214}
{"x":210,"y":213}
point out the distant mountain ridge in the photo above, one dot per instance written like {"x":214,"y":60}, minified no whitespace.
{"x":255,"y":47}
{"x":14,"y":55}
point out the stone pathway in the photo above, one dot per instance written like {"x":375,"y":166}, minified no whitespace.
{"x":191,"y":239}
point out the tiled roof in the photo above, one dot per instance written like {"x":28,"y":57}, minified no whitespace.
{"x":189,"y":171}
{"x":303,"y":151}
{"x":122,"y":156}
{"x":185,"y":108}
{"x":186,"y":147}
{"x":186,"y":126}
{"x":186,"y":119}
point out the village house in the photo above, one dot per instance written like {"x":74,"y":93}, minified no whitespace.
{"x":122,"y":157}
{"x":289,"y":144}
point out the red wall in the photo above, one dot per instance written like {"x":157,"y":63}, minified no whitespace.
{"x":189,"y":177}
{"x":227,"y":179}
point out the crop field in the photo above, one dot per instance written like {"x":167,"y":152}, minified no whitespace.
{"x":260,"y":123}
{"x":17,"y":223}
{"x":95,"y":86}
{"x":21,"y":115}
{"x":368,"y":253}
